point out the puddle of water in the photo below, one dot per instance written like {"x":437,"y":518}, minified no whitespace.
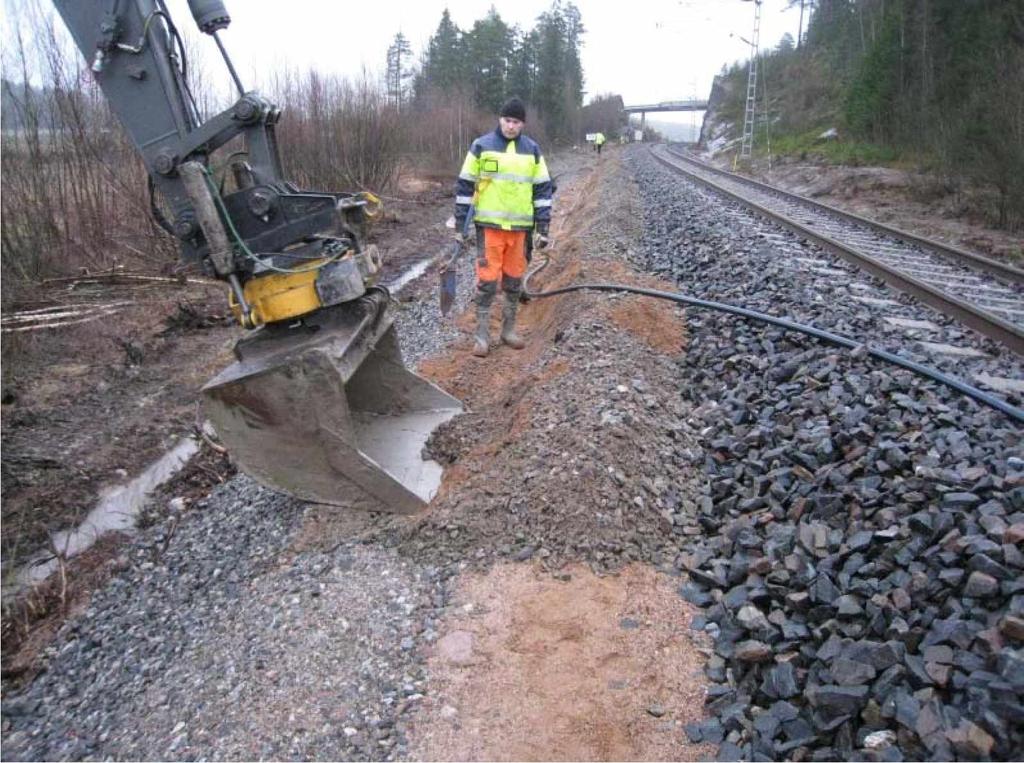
{"x":116,"y":510}
{"x":409,"y":276}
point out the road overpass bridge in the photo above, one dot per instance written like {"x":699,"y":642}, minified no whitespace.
{"x":685,"y":105}
{"x":691,"y":105}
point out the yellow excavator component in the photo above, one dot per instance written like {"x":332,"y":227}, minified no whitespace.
{"x":277,"y":297}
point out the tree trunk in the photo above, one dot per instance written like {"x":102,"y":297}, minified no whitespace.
{"x":800,"y":28}
{"x":860,"y":20}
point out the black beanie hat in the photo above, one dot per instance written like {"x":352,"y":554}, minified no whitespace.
{"x":514,"y":109}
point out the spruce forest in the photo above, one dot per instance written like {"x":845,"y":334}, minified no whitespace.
{"x":483,"y":65}
{"x":932,"y":84}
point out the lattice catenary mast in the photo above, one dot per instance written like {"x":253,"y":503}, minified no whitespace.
{"x":749,"y":114}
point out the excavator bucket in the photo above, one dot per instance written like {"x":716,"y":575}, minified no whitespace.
{"x":327,"y":412}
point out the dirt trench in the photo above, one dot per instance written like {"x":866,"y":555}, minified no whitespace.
{"x":563,"y":491}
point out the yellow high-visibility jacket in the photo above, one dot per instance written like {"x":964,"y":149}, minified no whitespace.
{"x":506,"y":182}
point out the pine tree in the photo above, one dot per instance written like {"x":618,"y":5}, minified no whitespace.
{"x":522,"y":71}
{"x":805,"y":7}
{"x":398,"y":70}
{"x":551,"y":83}
{"x":573,"y":42}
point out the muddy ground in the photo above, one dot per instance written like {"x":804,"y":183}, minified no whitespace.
{"x":564,"y":486}
{"x":84,"y":406}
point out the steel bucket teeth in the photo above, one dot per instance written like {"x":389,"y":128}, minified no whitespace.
{"x":332,"y":415}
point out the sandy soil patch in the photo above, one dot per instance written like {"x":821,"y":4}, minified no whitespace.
{"x":572,"y":667}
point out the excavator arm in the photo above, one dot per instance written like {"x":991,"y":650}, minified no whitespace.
{"x":318,"y":403}
{"x":138,"y":60}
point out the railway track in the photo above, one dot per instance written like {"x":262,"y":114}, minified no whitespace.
{"x":986,"y":295}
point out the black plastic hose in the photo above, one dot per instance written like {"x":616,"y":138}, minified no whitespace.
{"x":921,"y":370}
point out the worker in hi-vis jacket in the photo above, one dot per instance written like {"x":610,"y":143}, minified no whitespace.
{"x":504,"y":184}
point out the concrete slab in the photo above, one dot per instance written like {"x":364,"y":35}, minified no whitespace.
{"x":952,"y":349}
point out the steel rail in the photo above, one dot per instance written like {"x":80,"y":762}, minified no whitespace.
{"x":1002,"y":270}
{"x":970,"y":315}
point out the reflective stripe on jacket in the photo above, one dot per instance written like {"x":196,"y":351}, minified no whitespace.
{"x":506,"y":181}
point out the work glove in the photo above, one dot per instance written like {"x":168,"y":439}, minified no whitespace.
{"x":540,"y":238}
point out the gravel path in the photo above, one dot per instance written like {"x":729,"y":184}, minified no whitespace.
{"x":225,"y":641}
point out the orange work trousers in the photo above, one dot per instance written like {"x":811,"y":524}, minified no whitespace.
{"x":501,"y":253}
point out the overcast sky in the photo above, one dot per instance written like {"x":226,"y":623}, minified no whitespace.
{"x":645,"y":50}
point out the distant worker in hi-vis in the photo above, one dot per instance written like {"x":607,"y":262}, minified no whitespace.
{"x":505,"y":190}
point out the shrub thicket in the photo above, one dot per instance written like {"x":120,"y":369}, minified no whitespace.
{"x":74,"y":192}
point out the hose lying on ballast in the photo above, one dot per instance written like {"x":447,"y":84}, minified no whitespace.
{"x":921,"y":370}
